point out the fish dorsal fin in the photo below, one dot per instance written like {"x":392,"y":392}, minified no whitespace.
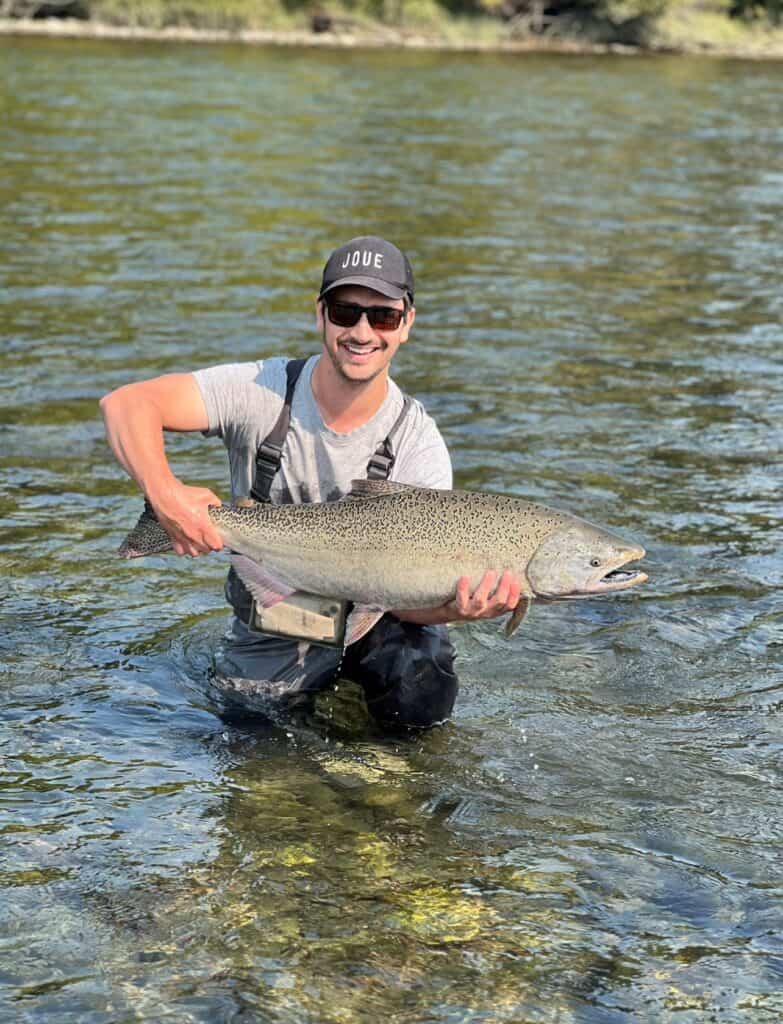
{"x":375,"y":488}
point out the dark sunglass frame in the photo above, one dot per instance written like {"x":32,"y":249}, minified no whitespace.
{"x":348,"y":314}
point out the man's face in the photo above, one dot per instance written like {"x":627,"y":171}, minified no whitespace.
{"x":360,"y":353}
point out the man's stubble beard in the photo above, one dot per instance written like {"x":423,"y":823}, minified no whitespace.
{"x":334,"y":359}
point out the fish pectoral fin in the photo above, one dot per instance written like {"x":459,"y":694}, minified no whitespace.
{"x":267,"y":590}
{"x":376,"y":488}
{"x":361,"y":620}
{"x":516,"y":617}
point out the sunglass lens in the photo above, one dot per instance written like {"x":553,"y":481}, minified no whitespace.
{"x":384,"y":318}
{"x":347,"y":314}
{"x":344,"y":314}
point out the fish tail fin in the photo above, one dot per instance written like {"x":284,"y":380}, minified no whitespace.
{"x":146,"y":538}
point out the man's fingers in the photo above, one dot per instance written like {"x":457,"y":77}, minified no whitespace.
{"x":210,"y":538}
{"x":483,"y":590}
{"x":502,"y":591}
{"x":196,"y":542}
{"x":204,"y":541}
{"x":213,"y":540}
{"x":199,"y":534}
{"x":492,"y":597}
{"x":506,"y":596}
{"x":462,"y":597}
{"x":183,"y":545}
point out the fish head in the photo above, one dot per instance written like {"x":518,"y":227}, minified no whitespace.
{"x":582,"y":560}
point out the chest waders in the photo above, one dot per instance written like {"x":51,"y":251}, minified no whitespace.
{"x":302,"y":616}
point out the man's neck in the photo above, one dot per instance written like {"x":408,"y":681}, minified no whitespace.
{"x":346,"y":405}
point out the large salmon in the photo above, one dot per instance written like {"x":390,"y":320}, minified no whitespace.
{"x":390,"y":545}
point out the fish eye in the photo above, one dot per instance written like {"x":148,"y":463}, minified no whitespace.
{"x":595,"y":562}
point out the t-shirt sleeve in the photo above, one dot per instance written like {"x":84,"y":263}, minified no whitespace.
{"x":240,"y":398}
{"x":423,"y":458}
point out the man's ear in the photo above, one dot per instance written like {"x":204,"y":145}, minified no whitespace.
{"x":408,"y":321}
{"x":319,"y":313}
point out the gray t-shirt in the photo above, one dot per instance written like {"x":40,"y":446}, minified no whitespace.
{"x":243,"y":401}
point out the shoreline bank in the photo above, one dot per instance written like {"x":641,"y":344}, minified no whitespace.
{"x":763,"y":45}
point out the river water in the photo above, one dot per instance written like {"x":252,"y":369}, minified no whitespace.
{"x":596,"y":835}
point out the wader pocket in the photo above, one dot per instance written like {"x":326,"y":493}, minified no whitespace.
{"x":321,"y":620}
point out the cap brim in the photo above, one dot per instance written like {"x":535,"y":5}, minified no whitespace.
{"x":389,"y":290}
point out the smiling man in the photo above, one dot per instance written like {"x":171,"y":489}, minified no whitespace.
{"x":300,"y":431}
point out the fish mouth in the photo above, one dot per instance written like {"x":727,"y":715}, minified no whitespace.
{"x":620,"y":576}
{"x":620,"y":579}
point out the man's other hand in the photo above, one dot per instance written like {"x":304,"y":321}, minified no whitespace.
{"x":492,"y":597}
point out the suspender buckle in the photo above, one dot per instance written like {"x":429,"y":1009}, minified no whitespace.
{"x":379,"y":466}
{"x":269,"y":454}
{"x":268,"y":459}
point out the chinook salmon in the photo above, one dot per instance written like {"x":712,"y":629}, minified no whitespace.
{"x":389,"y":545}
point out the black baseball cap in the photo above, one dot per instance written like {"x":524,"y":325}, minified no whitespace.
{"x":372,"y":263}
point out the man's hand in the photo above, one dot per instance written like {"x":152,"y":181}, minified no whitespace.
{"x":182,"y":512}
{"x":491,"y":598}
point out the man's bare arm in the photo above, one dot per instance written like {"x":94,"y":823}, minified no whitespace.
{"x":136,"y":416}
{"x":491,"y":598}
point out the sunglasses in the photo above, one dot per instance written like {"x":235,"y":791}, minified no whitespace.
{"x":348,"y":314}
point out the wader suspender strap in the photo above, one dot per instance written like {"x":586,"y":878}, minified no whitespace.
{"x":270,"y":452}
{"x":380,"y":464}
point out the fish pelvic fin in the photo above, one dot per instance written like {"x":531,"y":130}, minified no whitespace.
{"x":361,"y":620}
{"x":517,"y":616}
{"x":267,"y":590}
{"x":146,"y":538}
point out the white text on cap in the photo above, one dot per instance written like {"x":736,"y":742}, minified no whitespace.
{"x":364,"y":258}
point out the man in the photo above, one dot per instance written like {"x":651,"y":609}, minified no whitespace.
{"x":301,"y":433}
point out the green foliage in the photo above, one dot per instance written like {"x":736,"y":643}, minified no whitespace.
{"x":631,"y":22}
{"x":229,"y":15}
